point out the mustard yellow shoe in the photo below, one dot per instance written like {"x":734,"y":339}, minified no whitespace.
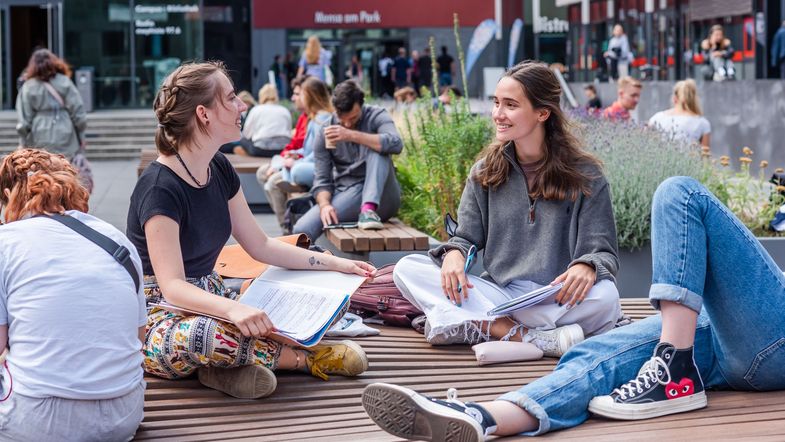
{"x":345,"y":358}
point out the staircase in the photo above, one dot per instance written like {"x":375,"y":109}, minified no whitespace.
{"x":115,"y":134}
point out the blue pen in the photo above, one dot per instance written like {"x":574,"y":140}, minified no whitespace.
{"x":468,"y":265}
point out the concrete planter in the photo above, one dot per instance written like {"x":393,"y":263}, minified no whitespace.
{"x":635,"y":272}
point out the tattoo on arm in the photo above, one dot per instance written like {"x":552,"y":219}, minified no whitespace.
{"x":313,"y":261}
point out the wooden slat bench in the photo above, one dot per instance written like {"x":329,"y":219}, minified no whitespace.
{"x":306,"y":408}
{"x":245,"y":166}
{"x":395,"y":236}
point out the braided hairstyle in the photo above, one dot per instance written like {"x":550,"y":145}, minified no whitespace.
{"x":34,"y":181}
{"x":189,"y":86}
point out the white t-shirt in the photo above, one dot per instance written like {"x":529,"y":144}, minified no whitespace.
{"x":71,"y":309}
{"x":683,"y":127}
{"x":267,"y":121}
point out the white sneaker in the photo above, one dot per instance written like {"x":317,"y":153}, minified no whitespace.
{"x":554,"y":343}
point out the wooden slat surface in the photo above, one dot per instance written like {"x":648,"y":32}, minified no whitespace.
{"x":306,"y":408}
{"x":395,"y":236}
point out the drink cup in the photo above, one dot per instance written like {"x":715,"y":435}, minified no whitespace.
{"x":327,"y":143}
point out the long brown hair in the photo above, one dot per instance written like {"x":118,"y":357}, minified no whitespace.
{"x":189,"y":86}
{"x":560,"y":175}
{"x":43,"y":65}
{"x":39,"y":182}
{"x":316,"y":97}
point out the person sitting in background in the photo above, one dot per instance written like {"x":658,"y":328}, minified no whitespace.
{"x":684,"y":120}
{"x":405,"y":95}
{"x":268,"y":127}
{"x":72,"y":316}
{"x":353,"y":175}
{"x":249,"y":101}
{"x":316,"y":104}
{"x":717,"y":55}
{"x":629,"y":91}
{"x":268,"y":176}
{"x":593,"y":103}
{"x":446,"y":96}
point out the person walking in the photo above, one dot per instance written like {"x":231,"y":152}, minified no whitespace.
{"x":316,"y":61}
{"x":446,"y":68}
{"x":425,"y":78}
{"x":618,"y":56}
{"x":278,"y":73}
{"x":684,"y":121}
{"x":50,"y":112}
{"x":778,"y":50}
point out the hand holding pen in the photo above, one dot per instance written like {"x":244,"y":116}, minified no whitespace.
{"x":455,"y":281}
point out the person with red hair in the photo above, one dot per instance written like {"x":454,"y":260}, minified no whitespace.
{"x":71,"y":318}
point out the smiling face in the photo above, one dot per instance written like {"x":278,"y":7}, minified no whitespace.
{"x":225,"y":115}
{"x":514,"y":116}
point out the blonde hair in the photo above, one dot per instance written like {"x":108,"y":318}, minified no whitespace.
{"x":39,"y":182}
{"x":246,"y":98}
{"x":313,"y":49}
{"x":629,"y":81}
{"x":189,"y":86}
{"x":686,"y":93}
{"x":316,"y":97}
{"x":268,"y":94}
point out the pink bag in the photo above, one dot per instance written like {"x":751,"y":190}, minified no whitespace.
{"x":381,"y":298}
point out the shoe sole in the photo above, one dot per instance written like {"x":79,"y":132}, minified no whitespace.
{"x":648,"y":410}
{"x":264,"y":383}
{"x":404,"y":413}
{"x":354,"y":346}
{"x":370,"y":225}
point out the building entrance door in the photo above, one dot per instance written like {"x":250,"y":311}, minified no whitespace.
{"x":24,"y":27}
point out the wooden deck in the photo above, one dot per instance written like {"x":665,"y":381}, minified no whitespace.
{"x":305,"y":408}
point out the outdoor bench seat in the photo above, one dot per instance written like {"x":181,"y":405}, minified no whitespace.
{"x":395,"y":236}
{"x":306,"y":408}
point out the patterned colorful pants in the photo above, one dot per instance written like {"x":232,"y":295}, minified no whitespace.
{"x":175,"y":345}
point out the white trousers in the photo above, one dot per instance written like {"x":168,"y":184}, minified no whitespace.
{"x":419,"y":280}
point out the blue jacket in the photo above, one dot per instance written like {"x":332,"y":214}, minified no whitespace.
{"x":778,"y":47}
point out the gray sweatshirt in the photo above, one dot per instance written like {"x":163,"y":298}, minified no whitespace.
{"x":344,"y":166}
{"x":563,"y":233}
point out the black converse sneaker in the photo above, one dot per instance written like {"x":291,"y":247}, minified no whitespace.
{"x":668,"y":383}
{"x":405,"y":413}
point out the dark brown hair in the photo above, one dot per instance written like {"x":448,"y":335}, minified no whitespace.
{"x":44,"y":65}
{"x":189,"y":86}
{"x":39,"y":182}
{"x":346,"y":95}
{"x":560,"y":176}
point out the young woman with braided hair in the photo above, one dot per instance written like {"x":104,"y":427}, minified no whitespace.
{"x":70,"y":315}
{"x":183,"y":209}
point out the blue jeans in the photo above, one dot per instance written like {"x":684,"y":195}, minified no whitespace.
{"x":705,"y":259}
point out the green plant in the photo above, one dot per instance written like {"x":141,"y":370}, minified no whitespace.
{"x":635,"y":161}
{"x":441,"y":147}
{"x":750,"y":197}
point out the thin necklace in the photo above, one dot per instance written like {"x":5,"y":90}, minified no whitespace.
{"x":209,"y":173}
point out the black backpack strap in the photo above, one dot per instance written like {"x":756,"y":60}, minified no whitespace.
{"x":118,"y":252}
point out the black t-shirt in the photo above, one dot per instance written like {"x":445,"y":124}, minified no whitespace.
{"x":202,"y":214}
{"x":445,"y":64}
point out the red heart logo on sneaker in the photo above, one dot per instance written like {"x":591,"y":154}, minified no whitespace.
{"x":685,"y":387}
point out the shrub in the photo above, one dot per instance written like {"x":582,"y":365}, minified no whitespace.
{"x":636,"y":160}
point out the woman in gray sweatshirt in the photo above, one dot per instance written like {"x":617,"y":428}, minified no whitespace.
{"x":540,"y":209}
